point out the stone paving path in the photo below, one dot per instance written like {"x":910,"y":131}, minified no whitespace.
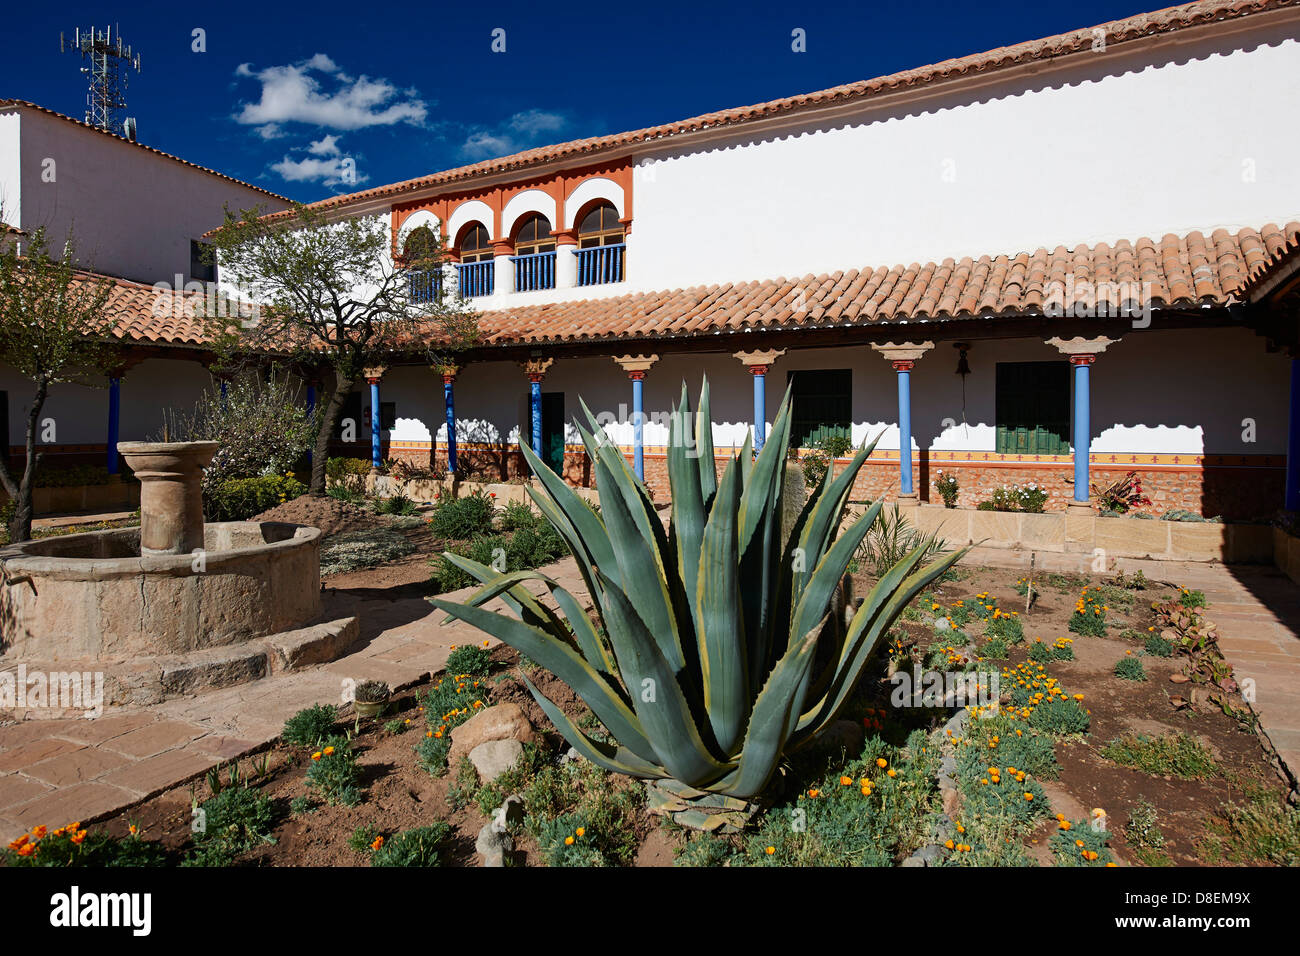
{"x":53,"y":772}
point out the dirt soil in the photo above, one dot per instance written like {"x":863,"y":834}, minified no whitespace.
{"x":399,"y":795}
{"x":331,"y":515}
{"x":1118,"y":707}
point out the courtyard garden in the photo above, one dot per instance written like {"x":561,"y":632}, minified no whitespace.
{"x":850,"y":695}
{"x":1117,"y":739}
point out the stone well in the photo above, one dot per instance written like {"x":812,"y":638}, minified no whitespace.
{"x":169,"y":587}
{"x":94,"y":595}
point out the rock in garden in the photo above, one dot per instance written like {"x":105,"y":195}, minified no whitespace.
{"x":511,"y":811}
{"x":495,"y":757}
{"x":499,"y":722}
{"x":493,"y":845}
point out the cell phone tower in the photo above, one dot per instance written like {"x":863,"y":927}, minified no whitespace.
{"x":109,"y":62}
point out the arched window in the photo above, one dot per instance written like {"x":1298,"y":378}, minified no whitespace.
{"x":600,"y":227}
{"x":421,"y":245}
{"x":420,"y":254}
{"x":474,"y":245}
{"x":534,"y":236}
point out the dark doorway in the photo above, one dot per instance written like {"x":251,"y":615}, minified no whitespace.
{"x":822,"y":405}
{"x":1033,"y":408}
{"x":552,"y":430}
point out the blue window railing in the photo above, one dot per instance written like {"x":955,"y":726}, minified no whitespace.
{"x":535,"y":271}
{"x":600,"y":264}
{"x":476,"y":278}
{"x":426,"y":286}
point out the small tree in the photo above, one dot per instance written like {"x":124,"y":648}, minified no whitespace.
{"x":333,"y":294}
{"x":53,"y":325}
{"x":262,"y":425}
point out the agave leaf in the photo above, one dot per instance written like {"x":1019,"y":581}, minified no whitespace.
{"x":879,"y":610}
{"x":775,"y":713}
{"x":566,"y":664}
{"x":616,"y":759}
{"x":508,"y":587}
{"x":660,"y":704}
{"x":641,"y":570}
{"x":688,"y":501}
{"x":584,"y":632}
{"x":823,"y":513}
{"x":719,"y":623}
{"x":704,"y":448}
{"x":763,"y":485}
{"x":582,"y":527}
{"x":824,"y":578}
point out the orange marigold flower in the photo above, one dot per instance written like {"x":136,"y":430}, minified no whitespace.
{"x":328,"y":751}
{"x":379,"y":841}
{"x":78,"y":837}
{"x":39,"y":832}
{"x":770,"y":850}
{"x":581,"y":831}
{"x":27,"y":849}
{"x":568,"y":841}
{"x":316,"y":755}
{"x":882,"y":762}
{"x":845,"y":781}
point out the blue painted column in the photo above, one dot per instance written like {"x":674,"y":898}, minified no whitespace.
{"x":760,"y":405}
{"x":535,"y":402}
{"x":375,"y":420}
{"x":638,"y":421}
{"x":1291,"y":500}
{"x":904,"y":370}
{"x":114,"y":420}
{"x":449,"y":397}
{"x":1082,"y":426}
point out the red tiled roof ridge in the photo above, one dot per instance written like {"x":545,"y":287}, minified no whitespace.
{"x":1190,"y":270}
{"x":1152,"y":23}
{"x":27,"y":104}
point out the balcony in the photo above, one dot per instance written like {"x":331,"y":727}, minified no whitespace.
{"x":425,"y":286}
{"x":598,"y":265}
{"x":533,"y":272}
{"x":475,"y":278}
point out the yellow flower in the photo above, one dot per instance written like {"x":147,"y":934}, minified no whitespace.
{"x":770,"y":850}
{"x":581,"y":831}
{"x":568,"y":841}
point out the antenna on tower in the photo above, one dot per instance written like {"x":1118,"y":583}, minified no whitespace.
{"x":109,"y":63}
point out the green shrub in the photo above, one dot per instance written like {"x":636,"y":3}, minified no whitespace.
{"x":333,"y":772}
{"x":836,"y":823}
{"x":1089,"y":615}
{"x":98,"y":850}
{"x":706,"y":849}
{"x":1060,"y":717}
{"x":238,"y":499}
{"x":234,"y":821}
{"x":395,"y":504}
{"x":1080,"y":845}
{"x":1130,"y":668}
{"x":416,"y":847}
{"x":518,"y":515}
{"x":1193,"y":598}
{"x":469,"y":659}
{"x":892,"y":538}
{"x":302,"y":804}
{"x":1007,"y":627}
{"x":1168,"y":755}
{"x":822,"y":455}
{"x":995,"y":650}
{"x":362,"y":839}
{"x":1261,"y":831}
{"x":310,"y":726}
{"x":450,"y":702}
{"x":463,"y":518}
{"x":1030,"y":753}
{"x":1157,"y":646}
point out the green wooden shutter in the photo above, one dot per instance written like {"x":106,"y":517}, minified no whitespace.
{"x":822,"y":405}
{"x":1033,"y":408}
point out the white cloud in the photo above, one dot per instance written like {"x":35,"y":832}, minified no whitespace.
{"x":325,"y":146}
{"x":317,"y":92}
{"x":333,"y":171}
{"x":519,"y":132}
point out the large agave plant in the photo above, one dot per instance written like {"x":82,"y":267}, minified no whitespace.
{"x":718,"y":650}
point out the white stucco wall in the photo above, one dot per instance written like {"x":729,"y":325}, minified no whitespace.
{"x":10,"y":169}
{"x":1159,"y":392}
{"x":133,"y":212}
{"x":1106,"y":150}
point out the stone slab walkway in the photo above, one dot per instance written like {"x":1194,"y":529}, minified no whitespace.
{"x":56,"y":771}
{"x":53,"y":772}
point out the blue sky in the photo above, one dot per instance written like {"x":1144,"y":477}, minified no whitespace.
{"x":282,"y":96}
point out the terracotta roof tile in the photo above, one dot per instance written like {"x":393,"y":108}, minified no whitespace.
{"x":1182,"y":270}
{"x":1117,"y":32}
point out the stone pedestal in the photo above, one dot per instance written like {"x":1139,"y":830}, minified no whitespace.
{"x":171,"y":499}
{"x":912,"y":500}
